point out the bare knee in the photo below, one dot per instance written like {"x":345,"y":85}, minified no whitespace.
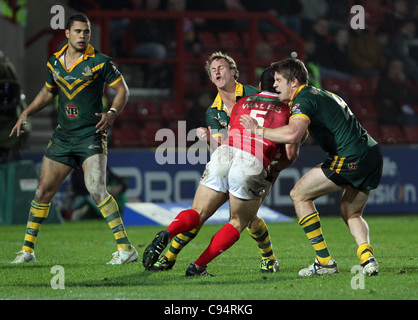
{"x":295,"y":195}
{"x":43,"y":195}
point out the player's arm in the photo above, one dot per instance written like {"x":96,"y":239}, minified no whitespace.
{"x":119,"y":102}
{"x":42,"y":99}
{"x":293,"y":133}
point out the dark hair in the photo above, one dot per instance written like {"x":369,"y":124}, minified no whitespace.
{"x":267,"y":80}
{"x":292,"y":68}
{"x":81,"y":17}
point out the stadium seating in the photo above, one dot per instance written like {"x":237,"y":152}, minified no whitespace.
{"x":364,"y":109}
{"x":411,"y":133}
{"x":146,"y":110}
{"x":372,"y":128}
{"x":229,"y":40}
{"x":335,"y":85}
{"x":392,"y":134}
{"x":358,"y":87}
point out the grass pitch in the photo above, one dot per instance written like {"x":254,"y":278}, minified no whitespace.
{"x":83,"y":248}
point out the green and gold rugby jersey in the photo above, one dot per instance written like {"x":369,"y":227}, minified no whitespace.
{"x":331,"y":122}
{"x":80,"y":89}
{"x":217,"y":116}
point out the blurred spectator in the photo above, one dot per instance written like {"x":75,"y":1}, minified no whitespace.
{"x":311,"y":12}
{"x":383,"y":36}
{"x":192,"y":43}
{"x":79,"y":204}
{"x":338,"y":58}
{"x":152,"y":37}
{"x":405,"y":47}
{"x":396,"y":17}
{"x":320,"y":36}
{"x":11,"y":106}
{"x":210,"y":24}
{"x":337,"y":14}
{"x":395,"y":96}
{"x":196,"y":116}
{"x":365,"y":53}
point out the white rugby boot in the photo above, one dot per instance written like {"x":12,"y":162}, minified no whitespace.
{"x":122,"y":257}
{"x":24,"y":257}
{"x":370,"y":267}
{"x":319,"y":269}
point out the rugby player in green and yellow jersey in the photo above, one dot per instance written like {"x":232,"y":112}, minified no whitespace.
{"x":77,"y":74}
{"x":354,"y":162}
{"x":223,"y":72}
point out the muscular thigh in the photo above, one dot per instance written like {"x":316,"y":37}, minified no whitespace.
{"x":313,"y":185}
{"x":242,"y":211}
{"x":207,"y":201}
{"x":51,"y":177}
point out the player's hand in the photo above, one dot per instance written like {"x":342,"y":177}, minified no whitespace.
{"x":18,"y":126}
{"x":250,"y":124}
{"x":105,"y":122}
{"x":202,"y":133}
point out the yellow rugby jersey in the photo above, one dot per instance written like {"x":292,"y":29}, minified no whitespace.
{"x":80,"y":89}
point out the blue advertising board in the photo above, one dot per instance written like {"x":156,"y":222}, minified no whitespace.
{"x":171,"y":176}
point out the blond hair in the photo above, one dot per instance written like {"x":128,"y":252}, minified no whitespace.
{"x":220,"y":55}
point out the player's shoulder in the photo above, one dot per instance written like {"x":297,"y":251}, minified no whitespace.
{"x":249,"y":90}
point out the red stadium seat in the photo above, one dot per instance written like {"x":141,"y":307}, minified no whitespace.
{"x":358,"y":87}
{"x":372,"y":129}
{"x":125,"y":137}
{"x":171,"y":111}
{"x":364,"y":109}
{"x":208,"y":39}
{"x":229,"y":40}
{"x":276,"y":39}
{"x":411,"y":133}
{"x":392,"y":134}
{"x":335,"y":85}
{"x":146,"y":110}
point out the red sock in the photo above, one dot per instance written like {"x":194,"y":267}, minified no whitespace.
{"x":221,"y":241}
{"x":185,"y":221}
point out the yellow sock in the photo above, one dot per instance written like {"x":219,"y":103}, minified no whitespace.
{"x":37,"y":215}
{"x":312,"y":227}
{"x":180,"y":241}
{"x":261,"y":236}
{"x":110,"y":211}
{"x":364,"y":252}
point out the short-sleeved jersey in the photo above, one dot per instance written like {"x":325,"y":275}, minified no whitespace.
{"x":331,"y":122}
{"x":217,"y":116}
{"x":270,"y":112}
{"x":80,"y":89}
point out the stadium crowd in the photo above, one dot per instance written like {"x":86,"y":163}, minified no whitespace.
{"x":374,"y":69}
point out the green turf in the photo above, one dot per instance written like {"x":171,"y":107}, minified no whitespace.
{"x":83,"y":248}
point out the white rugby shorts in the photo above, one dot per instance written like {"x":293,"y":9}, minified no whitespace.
{"x":235,"y":171}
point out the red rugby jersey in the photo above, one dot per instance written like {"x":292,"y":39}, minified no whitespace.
{"x":270,"y":112}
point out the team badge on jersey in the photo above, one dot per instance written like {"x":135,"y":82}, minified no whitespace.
{"x":314,"y":91}
{"x":71,"y":111}
{"x":352,"y":166}
{"x":55,"y":74}
{"x":88,"y":73}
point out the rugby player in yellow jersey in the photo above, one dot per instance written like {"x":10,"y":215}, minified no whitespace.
{"x":77,"y":74}
{"x":223,"y":72}
{"x":354,"y":162}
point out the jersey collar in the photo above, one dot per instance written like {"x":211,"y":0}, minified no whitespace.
{"x":296,"y":93}
{"x":89,"y":53}
{"x":239,"y":92}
